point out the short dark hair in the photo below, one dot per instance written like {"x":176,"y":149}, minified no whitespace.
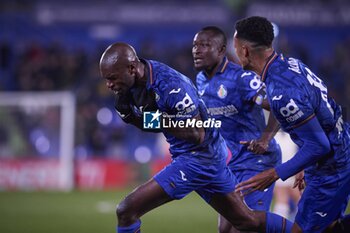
{"x":217,"y":32}
{"x":255,"y":29}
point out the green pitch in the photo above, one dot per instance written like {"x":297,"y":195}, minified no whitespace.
{"x":92,"y":212}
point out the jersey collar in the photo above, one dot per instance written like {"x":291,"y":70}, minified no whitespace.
{"x":267,"y":65}
{"x":220,"y":69}
{"x":149,"y":72}
{"x":223,"y":65}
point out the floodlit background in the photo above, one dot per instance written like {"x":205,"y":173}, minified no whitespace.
{"x":66,"y":159}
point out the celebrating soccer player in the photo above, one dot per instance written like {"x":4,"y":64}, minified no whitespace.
{"x":234,"y":97}
{"x":198,"y":153}
{"x":299,"y":101}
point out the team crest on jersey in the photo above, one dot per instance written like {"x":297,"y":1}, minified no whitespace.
{"x":222,"y":92}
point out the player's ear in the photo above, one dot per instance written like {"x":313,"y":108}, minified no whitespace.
{"x":222,"y":49}
{"x":132,"y":68}
{"x":246,"y":51}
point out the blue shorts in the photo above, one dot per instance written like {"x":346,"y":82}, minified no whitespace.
{"x":258,"y":200}
{"x":184,"y":175}
{"x":324,"y":200}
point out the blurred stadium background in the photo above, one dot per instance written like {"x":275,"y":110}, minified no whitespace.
{"x":65,"y":158}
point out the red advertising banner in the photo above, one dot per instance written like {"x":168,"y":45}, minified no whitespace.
{"x":92,"y":174}
{"x":102,"y":174}
{"x":29,"y":174}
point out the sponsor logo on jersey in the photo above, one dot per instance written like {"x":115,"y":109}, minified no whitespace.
{"x":183,"y":176}
{"x":173,"y":91}
{"x":291,"y":111}
{"x":185,"y":103}
{"x":201,"y":92}
{"x":322,"y":214}
{"x":246,"y":74}
{"x":277,"y":97}
{"x":228,"y":110}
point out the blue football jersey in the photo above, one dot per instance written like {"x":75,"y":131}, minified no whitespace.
{"x":229,"y":97}
{"x":177,"y":97}
{"x":296,"y":95}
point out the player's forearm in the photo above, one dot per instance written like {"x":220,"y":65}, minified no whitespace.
{"x":271,"y":129}
{"x":265,"y":105}
{"x":316,"y":145}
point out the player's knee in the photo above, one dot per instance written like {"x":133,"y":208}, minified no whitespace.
{"x":224,"y":228}
{"x":125,"y":214}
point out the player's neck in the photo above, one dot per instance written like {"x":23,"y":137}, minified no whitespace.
{"x":262,"y":60}
{"x":210,"y":72}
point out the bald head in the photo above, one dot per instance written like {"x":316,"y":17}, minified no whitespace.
{"x":118,"y":53}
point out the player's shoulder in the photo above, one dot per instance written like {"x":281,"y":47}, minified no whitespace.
{"x":234,"y":70}
{"x":161,"y":71}
{"x":290,"y":104}
{"x":248,"y":78}
{"x":286,"y":67}
{"x":164,"y":76}
{"x":231,"y":66}
{"x":174,"y":85}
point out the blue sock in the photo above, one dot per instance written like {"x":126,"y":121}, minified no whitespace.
{"x":277,"y":224}
{"x":133,"y":228}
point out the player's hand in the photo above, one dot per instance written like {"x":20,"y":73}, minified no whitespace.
{"x":257,"y":146}
{"x":123,"y":107}
{"x":299,"y":181}
{"x":259,"y":182}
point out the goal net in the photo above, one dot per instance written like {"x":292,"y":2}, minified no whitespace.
{"x":36,"y":140}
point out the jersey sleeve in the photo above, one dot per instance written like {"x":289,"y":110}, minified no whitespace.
{"x":249,"y":86}
{"x":291,"y":107}
{"x":178,"y":99}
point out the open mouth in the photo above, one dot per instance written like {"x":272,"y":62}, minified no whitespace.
{"x":198,"y":59}
{"x":115,"y":91}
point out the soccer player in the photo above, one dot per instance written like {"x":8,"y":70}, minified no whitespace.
{"x":234,"y":97}
{"x":198,"y":153}
{"x":299,"y":101}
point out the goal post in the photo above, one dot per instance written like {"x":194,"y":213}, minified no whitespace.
{"x":40,"y":168}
